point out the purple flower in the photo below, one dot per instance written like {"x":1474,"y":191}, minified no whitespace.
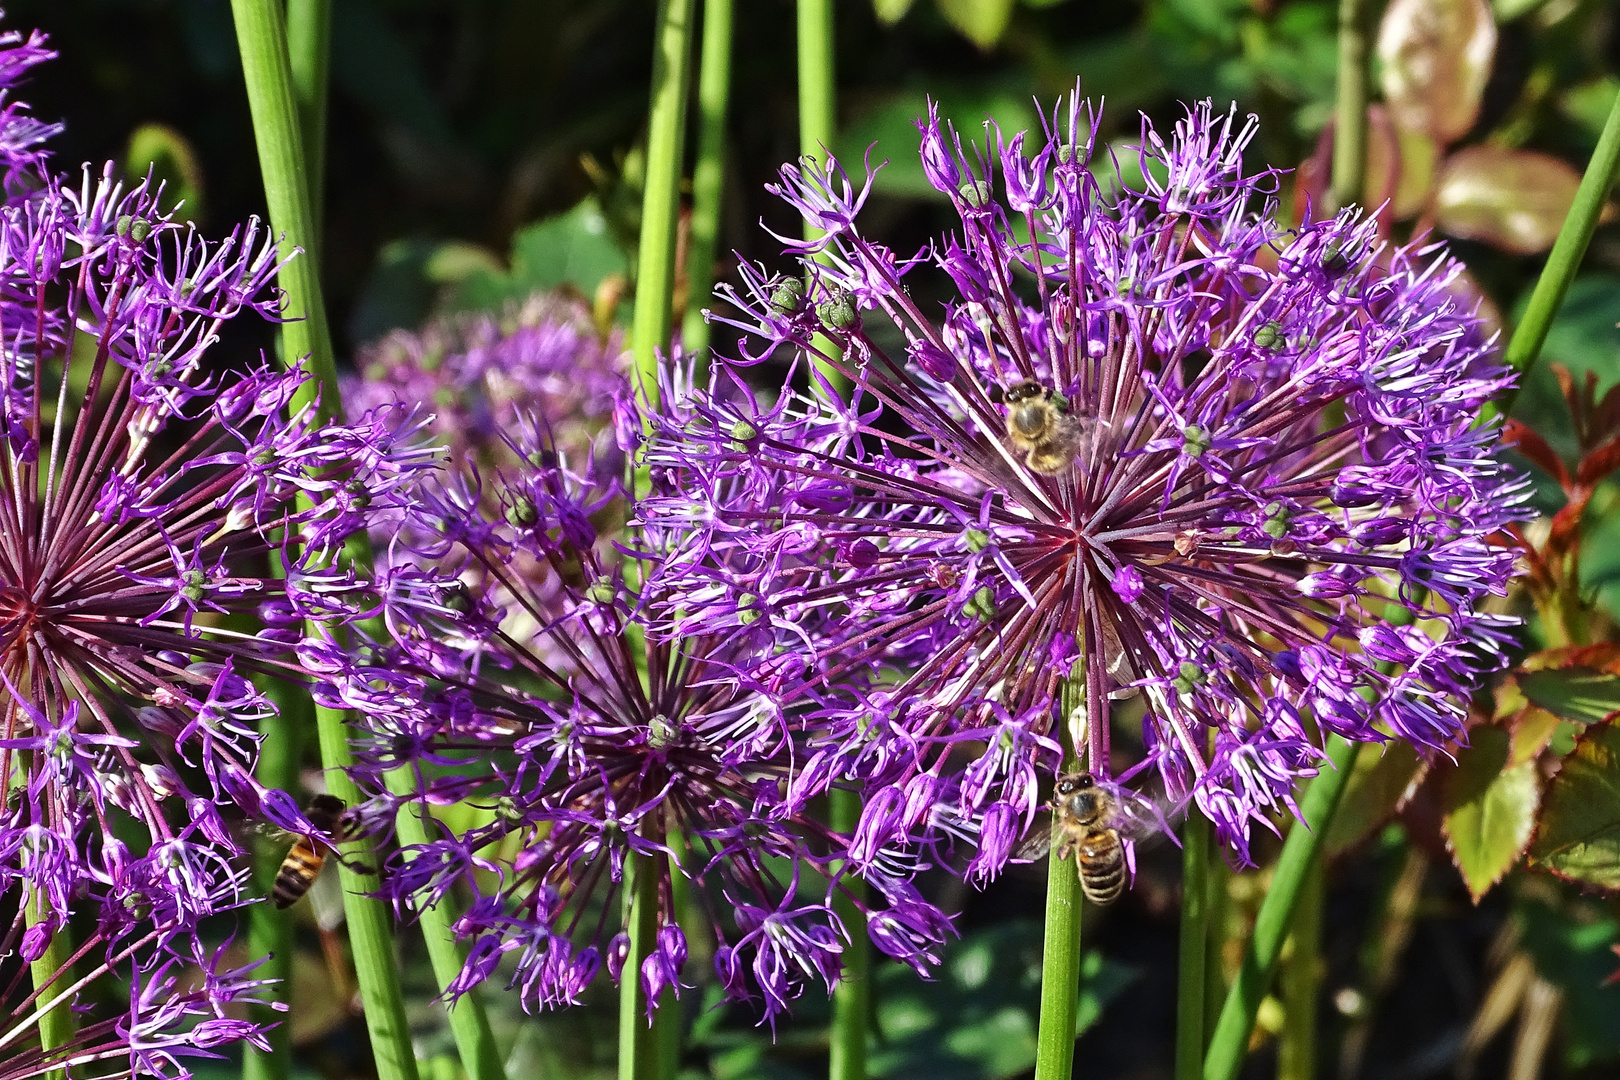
{"x":1157,"y":444}
{"x":519,"y":676}
{"x":542,"y":363}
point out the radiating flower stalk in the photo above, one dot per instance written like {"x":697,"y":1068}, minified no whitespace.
{"x":1191,"y":456}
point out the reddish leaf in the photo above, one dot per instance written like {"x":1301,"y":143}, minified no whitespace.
{"x":1534,"y":447}
{"x":1578,"y":837}
{"x":1604,"y":656}
{"x":1515,"y":200}
{"x":1436,"y":56}
{"x":1598,"y":463}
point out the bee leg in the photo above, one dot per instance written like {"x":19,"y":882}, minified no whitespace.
{"x":353,"y":864}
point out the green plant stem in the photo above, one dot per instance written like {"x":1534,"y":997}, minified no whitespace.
{"x":1230,"y":1040}
{"x":1565,"y":259}
{"x":1296,"y":1046}
{"x":1215,"y":921}
{"x":1190,"y":977}
{"x":262,"y":38}
{"x":56,"y":1027}
{"x":1060,"y":949}
{"x":309,"y":55}
{"x":661,"y":198}
{"x":639,"y":1041}
{"x":708,"y":173}
{"x":852,"y":1000}
{"x":469,"y":1024}
{"x":1350,"y":111}
{"x":270,"y":929}
{"x":818,"y":125}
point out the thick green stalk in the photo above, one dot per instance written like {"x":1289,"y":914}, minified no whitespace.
{"x":1302,"y":848}
{"x":640,"y":1046}
{"x":661,"y":199}
{"x":1215,"y":921}
{"x":309,"y":54}
{"x":270,"y":929}
{"x":1190,"y":977}
{"x":262,"y":38}
{"x":818,"y":122}
{"x":708,"y":174}
{"x":1565,"y":259}
{"x":469,"y":1024}
{"x":1301,"y":977}
{"x":1350,"y":113}
{"x":852,"y":1000}
{"x":56,"y":1027}
{"x":1060,"y":951}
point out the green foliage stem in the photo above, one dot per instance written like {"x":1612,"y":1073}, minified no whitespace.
{"x":852,"y":1000}
{"x":469,"y":1024}
{"x":708,"y":174}
{"x":640,"y":1056}
{"x":262,"y":38}
{"x":57,"y":1026}
{"x":1302,"y":848}
{"x":661,"y":198}
{"x":1565,"y":259}
{"x":1190,"y":976}
{"x":1296,"y":1045}
{"x":818,"y":120}
{"x":1060,"y":950}
{"x":1350,"y":112}
{"x":309,"y":55}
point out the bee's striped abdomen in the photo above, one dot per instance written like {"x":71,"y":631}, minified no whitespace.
{"x":1102,"y":866}
{"x":298,"y":872}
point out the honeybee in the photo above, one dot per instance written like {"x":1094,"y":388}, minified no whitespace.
{"x":1042,"y":429}
{"x":303,"y":863}
{"x":1094,"y":818}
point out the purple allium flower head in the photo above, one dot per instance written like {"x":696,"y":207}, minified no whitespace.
{"x":1156,"y":443}
{"x":513,"y":679}
{"x":146,"y":488}
{"x":541,"y":362}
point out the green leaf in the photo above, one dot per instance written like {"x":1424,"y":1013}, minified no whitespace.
{"x":1575,"y":693}
{"x":1490,"y":809}
{"x":1515,"y":200}
{"x":980,"y":21}
{"x":891,"y":11}
{"x":1571,"y":945}
{"x":575,"y":249}
{"x":1579,"y":834}
{"x":976,"y":1020}
{"x":171,"y":160}
{"x":890,"y":129}
{"x":1382,"y":775}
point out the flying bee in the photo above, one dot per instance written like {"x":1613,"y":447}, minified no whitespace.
{"x":303,"y":863}
{"x":1094,"y":818}
{"x":1040,"y":427}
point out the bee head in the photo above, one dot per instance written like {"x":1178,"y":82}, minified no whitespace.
{"x":1079,"y":791}
{"x":1022,"y":391}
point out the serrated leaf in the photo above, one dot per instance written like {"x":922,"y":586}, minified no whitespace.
{"x":1515,"y":200}
{"x":1575,"y":693}
{"x":1490,"y":809}
{"x":1380,"y":777}
{"x":1436,"y":56}
{"x":1533,"y":729}
{"x":980,"y":21}
{"x":1579,"y":833}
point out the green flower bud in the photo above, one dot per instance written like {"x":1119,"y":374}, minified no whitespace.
{"x":837,"y":312}
{"x":1197,"y":441}
{"x":788,"y":297}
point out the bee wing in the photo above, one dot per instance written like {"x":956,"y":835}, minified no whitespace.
{"x":1144,"y":819}
{"x":1037,"y":841}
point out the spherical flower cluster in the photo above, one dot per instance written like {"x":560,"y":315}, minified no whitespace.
{"x":540,"y":362}
{"x":1156,"y":446}
{"x":145,"y":490}
{"x":517,"y":675}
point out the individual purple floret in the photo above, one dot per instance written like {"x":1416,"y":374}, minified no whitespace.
{"x":516,"y":678}
{"x":542,"y":360}
{"x":1155,"y":443}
